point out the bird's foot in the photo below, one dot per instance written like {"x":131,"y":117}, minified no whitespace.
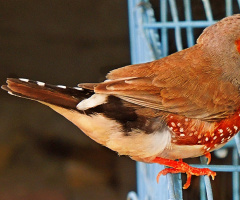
{"x":182,"y":167}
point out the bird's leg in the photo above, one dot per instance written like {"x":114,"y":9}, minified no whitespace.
{"x":208,"y":156}
{"x":182,"y":167}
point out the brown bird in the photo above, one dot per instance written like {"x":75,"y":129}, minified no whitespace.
{"x":181,"y":106}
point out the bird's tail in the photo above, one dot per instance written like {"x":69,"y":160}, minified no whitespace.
{"x":59,"y":95}
{"x":65,"y":101}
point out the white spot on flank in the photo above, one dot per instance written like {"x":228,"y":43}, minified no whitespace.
{"x":235,"y":127}
{"x":173,"y":124}
{"x":181,"y":130}
{"x":199,"y":142}
{"x":24,"y":79}
{"x":215,"y":137}
{"x":78,"y":88}
{"x":40,"y":83}
{"x":62,"y":86}
{"x":178,"y":124}
{"x":186,"y":119}
{"x":93,"y":101}
{"x":205,"y":147}
{"x":206,"y":139}
{"x":182,"y":134}
{"x":229,"y":137}
{"x":221,"y":135}
{"x":220,"y":130}
{"x":208,"y":148}
{"x":229,"y":130}
{"x":191,"y":134}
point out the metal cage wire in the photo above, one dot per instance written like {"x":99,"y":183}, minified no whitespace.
{"x":145,"y":34}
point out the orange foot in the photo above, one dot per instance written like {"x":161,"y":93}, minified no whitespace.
{"x":182,"y":167}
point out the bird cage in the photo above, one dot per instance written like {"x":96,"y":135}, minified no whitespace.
{"x":177,"y":26}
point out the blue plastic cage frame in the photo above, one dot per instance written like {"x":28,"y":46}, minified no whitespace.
{"x":146,"y":46}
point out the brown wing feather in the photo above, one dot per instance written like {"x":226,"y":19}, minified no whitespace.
{"x":184,"y":83}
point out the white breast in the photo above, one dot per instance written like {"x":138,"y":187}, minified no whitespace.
{"x":139,"y":144}
{"x":108,"y":133}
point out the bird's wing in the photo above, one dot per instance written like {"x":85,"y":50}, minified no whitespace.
{"x":184,"y":83}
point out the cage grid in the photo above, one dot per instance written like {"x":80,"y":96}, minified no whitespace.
{"x":150,"y":40}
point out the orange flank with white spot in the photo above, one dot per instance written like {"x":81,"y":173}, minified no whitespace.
{"x":196,"y":132}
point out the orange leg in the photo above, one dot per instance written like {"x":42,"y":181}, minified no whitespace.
{"x":182,"y":167}
{"x":208,"y":156}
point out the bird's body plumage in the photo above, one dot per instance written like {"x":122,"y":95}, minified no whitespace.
{"x":184,"y":105}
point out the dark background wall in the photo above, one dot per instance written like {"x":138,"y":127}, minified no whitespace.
{"x":42,"y":155}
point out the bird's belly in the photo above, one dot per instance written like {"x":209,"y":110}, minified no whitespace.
{"x":95,"y":126}
{"x":108,"y":132}
{"x":182,"y":151}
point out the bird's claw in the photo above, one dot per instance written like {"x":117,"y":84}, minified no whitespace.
{"x":192,"y":171}
{"x":182,"y":167}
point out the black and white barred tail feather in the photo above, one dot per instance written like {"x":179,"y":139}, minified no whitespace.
{"x":59,"y":95}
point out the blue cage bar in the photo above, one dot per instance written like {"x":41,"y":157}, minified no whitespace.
{"x":149,"y":41}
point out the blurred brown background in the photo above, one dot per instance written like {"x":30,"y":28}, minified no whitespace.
{"x":42,"y":155}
